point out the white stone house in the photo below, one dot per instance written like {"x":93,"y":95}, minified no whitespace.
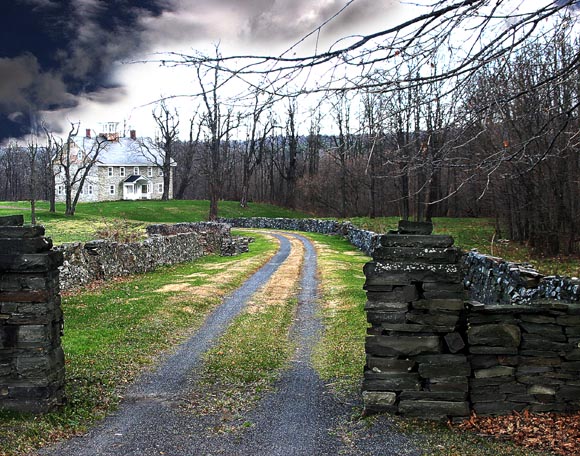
{"x":124,"y":170}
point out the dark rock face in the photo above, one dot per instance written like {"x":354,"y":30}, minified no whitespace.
{"x":493,"y":280}
{"x":31,"y":357}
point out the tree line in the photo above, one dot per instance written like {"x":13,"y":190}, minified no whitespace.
{"x":502,"y":143}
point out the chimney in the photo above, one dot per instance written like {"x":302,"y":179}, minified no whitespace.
{"x":133,"y":134}
{"x":88,"y":132}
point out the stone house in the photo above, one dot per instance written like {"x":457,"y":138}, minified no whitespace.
{"x":127,"y":168}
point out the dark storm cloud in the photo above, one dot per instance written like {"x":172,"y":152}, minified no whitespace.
{"x":55,"y":50}
{"x":281,"y":20}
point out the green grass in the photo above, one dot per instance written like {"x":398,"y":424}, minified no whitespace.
{"x":114,"y":332}
{"x":90,"y":217}
{"x":339,"y":357}
{"x":478,"y":233}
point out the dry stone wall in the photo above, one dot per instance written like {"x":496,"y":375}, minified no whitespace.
{"x":166,"y":245}
{"x":31,"y":357}
{"x":432,"y":354}
{"x":524,"y":357}
{"x":416,"y":363}
{"x":493,"y":280}
{"x":361,"y":239}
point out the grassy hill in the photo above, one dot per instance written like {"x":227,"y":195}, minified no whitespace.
{"x":92,"y":219}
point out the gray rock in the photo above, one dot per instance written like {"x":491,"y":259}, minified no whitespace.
{"x":439,"y":410}
{"x":402,"y":345}
{"x":454,"y":342}
{"x":497,"y":371}
{"x":409,"y":227}
{"x":497,"y":335}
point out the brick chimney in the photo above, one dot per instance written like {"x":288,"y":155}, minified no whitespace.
{"x":88,"y":132}
{"x":133,"y":134}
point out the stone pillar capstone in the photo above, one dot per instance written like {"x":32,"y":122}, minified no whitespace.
{"x":416,"y":362}
{"x":31,"y":356}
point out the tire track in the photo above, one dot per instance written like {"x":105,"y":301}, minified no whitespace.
{"x":148,"y":418}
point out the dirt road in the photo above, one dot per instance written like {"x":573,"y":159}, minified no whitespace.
{"x":299,"y":417}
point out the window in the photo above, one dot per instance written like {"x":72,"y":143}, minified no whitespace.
{"x":80,"y":154}
{"x":110,"y":171}
{"x":122,"y":171}
{"x":90,"y":189}
{"x":160,"y":187}
{"x":136,"y":171}
{"x":59,"y":190}
{"x":160,"y":172}
{"x":129,"y":188}
{"x":111,"y":189}
{"x":149,"y":172}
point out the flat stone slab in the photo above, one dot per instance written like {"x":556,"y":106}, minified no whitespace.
{"x":402,"y":345}
{"x":12,"y":220}
{"x":410,"y":227}
{"x":413,"y":240}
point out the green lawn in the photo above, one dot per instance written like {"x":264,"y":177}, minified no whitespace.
{"x":91,"y":219}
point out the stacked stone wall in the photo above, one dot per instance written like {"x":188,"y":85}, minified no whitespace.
{"x":362,"y":239}
{"x":432,"y":354}
{"x":416,"y":362}
{"x":166,"y":245}
{"x":524,"y":357}
{"x":493,"y":280}
{"x":31,"y":357}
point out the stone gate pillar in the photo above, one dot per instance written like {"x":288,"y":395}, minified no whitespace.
{"x":416,"y":364}
{"x":31,"y":357}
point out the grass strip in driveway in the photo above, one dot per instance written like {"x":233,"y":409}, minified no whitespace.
{"x":256,"y":346}
{"x":113,"y":332}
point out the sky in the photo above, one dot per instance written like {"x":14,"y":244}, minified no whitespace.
{"x":64,"y":61}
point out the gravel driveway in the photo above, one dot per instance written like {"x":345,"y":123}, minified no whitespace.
{"x":299,"y":417}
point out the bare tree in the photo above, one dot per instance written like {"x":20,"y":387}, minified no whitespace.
{"x":168,"y":124}
{"x":219,"y":126}
{"x":255,"y":144}
{"x":75,"y":162}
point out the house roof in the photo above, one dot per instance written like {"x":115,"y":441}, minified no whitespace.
{"x":125,"y":151}
{"x":135,"y":178}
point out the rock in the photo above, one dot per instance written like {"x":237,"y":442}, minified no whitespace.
{"x":433,"y":370}
{"x":374,"y":381}
{"x":433,"y":318}
{"x":402,"y":345}
{"x":429,"y":255}
{"x":390,"y":364}
{"x":497,"y":371}
{"x":454,"y":342}
{"x":409,"y":227}
{"x":496,"y":335}
{"x":12,"y":220}
{"x":439,"y":304}
{"x":446,"y":396}
{"x":439,"y":410}
{"x":410,"y":240}
{"x":380,"y":401}
{"x":540,"y":389}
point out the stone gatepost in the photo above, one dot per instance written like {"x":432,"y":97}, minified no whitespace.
{"x":31,"y":357}
{"x":416,"y":365}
